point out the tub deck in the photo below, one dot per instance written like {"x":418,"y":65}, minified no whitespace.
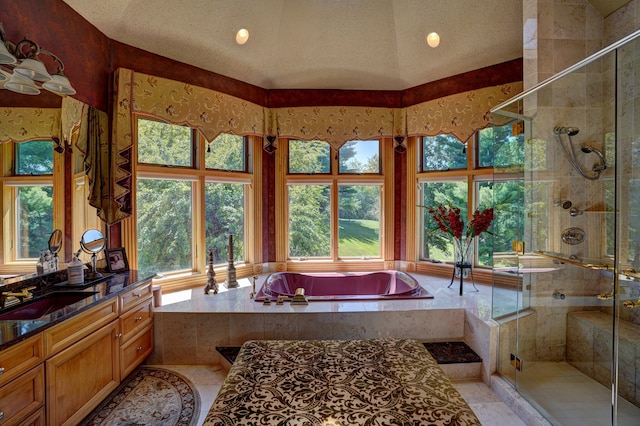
{"x":190,"y":324}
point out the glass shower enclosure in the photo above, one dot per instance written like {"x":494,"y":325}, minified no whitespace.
{"x":569,"y":340}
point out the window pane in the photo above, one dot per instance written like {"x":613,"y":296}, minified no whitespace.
{"x":504,"y":196}
{"x":436,"y":244}
{"x":164,"y":226}
{"x":34,"y":220}
{"x":309,"y":157}
{"x":360,"y":157}
{"x":162,"y":143}
{"x":309,"y":221}
{"x":224,"y":214}
{"x":443,"y":152}
{"x":34,"y":158}
{"x":226,"y":152}
{"x":498,"y":147}
{"x":359,"y":221}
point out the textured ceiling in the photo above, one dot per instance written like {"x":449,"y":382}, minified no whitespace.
{"x":318,"y":44}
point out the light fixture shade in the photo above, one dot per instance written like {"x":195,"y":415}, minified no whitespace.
{"x":242,"y":36}
{"x":59,"y":84}
{"x":21,"y":84}
{"x":433,"y":39}
{"x":34,"y":69}
{"x":5,"y":56}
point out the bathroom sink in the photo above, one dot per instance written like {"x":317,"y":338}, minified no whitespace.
{"x":46,"y":305}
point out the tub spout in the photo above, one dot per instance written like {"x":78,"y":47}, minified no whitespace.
{"x":298,"y":298}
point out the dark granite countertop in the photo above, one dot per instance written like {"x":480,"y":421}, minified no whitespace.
{"x":13,"y":331}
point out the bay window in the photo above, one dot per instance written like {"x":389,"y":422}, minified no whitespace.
{"x":464,"y":175}
{"x":334,"y":202}
{"x":190,"y":195}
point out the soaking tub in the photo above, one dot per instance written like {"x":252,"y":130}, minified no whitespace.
{"x":343,"y":286}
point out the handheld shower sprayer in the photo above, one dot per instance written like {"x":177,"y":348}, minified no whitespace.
{"x":603,"y":163}
{"x":571,"y":154}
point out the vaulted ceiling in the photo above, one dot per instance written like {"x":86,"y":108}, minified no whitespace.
{"x":319,"y":44}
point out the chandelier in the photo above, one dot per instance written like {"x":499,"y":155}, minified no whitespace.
{"x":22,"y":69}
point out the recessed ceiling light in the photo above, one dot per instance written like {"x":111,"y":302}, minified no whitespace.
{"x":433,"y":39}
{"x":242,"y":36}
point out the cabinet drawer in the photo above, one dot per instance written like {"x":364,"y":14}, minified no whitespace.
{"x":21,"y":357}
{"x":72,"y":330}
{"x":22,"y":396}
{"x":136,"y":319}
{"x":135,"y":296}
{"x":36,"y":419}
{"x":136,"y":350}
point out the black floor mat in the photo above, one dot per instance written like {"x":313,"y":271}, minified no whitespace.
{"x":229,"y":352}
{"x":452,"y":352}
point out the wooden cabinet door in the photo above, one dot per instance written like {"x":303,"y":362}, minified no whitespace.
{"x":81,"y":376}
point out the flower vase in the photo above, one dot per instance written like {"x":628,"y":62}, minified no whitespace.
{"x":462,"y":256}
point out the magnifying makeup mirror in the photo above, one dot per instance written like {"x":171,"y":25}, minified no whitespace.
{"x":55,"y":244}
{"x":93,"y":242}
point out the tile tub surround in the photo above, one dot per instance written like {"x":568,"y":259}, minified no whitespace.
{"x":191,"y":324}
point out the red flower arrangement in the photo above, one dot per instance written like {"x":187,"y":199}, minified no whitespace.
{"x":450,"y":222}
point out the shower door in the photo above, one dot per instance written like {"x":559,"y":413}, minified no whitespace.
{"x":569,"y":339}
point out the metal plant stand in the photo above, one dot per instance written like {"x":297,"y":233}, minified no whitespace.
{"x":461,"y":267}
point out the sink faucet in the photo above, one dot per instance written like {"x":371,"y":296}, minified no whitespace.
{"x":21,"y":295}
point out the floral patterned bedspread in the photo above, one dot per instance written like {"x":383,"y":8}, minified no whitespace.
{"x":337,"y":383}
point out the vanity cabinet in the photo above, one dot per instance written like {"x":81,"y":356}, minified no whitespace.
{"x":22,"y":383}
{"x":90,"y":354}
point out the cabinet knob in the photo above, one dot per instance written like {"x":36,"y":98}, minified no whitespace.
{"x":1,"y":415}
{"x":138,"y":318}
{"x":139,"y":348}
{"x":136,"y":295}
{"x":1,"y":370}
{"x":119,"y":336}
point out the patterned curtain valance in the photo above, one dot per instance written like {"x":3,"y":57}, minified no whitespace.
{"x":214,"y":113}
{"x":24,"y":124}
{"x":335,"y":125}
{"x":211,"y":112}
{"x":460,"y":115}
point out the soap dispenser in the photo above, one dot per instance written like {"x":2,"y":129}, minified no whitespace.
{"x":75,"y":271}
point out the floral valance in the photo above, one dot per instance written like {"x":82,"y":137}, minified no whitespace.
{"x":24,"y":124}
{"x":460,"y":115}
{"x":213,"y":113}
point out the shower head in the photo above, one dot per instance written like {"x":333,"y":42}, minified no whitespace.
{"x":571,"y":131}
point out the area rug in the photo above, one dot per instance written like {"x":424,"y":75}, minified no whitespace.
{"x":149,"y":396}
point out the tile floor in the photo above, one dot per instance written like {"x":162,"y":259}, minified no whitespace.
{"x":484,"y":403}
{"x":568,"y":397}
